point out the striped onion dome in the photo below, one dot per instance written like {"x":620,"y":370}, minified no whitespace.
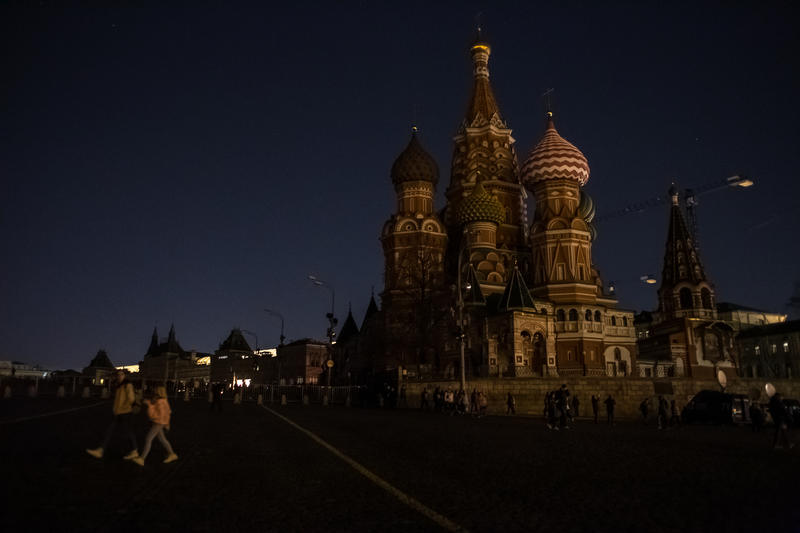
{"x":554,"y":158}
{"x":414,"y":164}
{"x":480,"y":206}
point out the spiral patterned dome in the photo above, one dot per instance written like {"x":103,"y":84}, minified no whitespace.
{"x":414,"y":164}
{"x":586,"y":208}
{"x":480,"y":206}
{"x":554,"y":158}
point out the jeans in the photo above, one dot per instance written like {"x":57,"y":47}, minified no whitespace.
{"x":156,"y":430}
{"x":124,"y":421}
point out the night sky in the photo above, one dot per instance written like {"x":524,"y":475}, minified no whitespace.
{"x":193,"y":165}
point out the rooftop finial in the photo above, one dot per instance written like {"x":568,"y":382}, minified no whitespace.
{"x":548,"y":101}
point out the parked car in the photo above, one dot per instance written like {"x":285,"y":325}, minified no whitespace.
{"x":715,"y":407}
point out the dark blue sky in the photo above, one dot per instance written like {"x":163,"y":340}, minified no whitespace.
{"x":194,"y":165}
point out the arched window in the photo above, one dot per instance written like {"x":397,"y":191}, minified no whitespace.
{"x":560,"y":315}
{"x":625,"y":321}
{"x":588,"y":315}
{"x":597,"y":316}
{"x":685,"y":296}
{"x":617,"y":354}
{"x":613,"y":321}
{"x":705,"y":297}
{"x":573,"y":315}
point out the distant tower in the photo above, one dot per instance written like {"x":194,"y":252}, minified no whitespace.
{"x":561,"y":237}
{"x":484,"y":152}
{"x":685,"y":290}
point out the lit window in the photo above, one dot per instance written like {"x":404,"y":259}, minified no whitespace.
{"x":774,"y":348}
{"x":757,"y":350}
{"x":519,"y":359}
{"x":785,"y":346}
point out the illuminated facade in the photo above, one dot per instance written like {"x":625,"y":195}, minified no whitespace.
{"x":531,"y":298}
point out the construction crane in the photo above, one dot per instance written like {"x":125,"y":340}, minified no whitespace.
{"x":690,"y":201}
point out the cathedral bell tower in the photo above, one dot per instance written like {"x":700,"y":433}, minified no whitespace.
{"x":414,"y":245}
{"x":685,"y":290}
{"x":484,"y":152}
{"x":561,"y":237}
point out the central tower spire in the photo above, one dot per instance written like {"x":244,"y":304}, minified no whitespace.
{"x":482,"y":104}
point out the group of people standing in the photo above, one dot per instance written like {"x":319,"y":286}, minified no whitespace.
{"x":667,"y":414}
{"x":453,"y":402}
{"x":125,"y":405}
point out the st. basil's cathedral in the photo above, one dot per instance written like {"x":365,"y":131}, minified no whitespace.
{"x":531,"y":298}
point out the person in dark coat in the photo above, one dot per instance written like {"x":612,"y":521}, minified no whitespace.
{"x":644,"y":408}
{"x":756,"y":417}
{"x":216,"y":401}
{"x":662,"y":413}
{"x":595,"y":407}
{"x":675,"y":418}
{"x":511,"y":404}
{"x":780,"y":416}
{"x":610,"y":403}
{"x":576,"y":403}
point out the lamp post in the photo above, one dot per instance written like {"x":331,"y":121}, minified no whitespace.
{"x":282,"y":338}
{"x":332,"y":321}
{"x":461,"y":311}
{"x":276,"y":314}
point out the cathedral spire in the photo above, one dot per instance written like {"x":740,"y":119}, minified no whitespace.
{"x":685,"y":290}
{"x":153,"y":349}
{"x":482,"y":103}
{"x":681,"y":261}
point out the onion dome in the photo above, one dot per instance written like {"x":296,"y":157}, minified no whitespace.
{"x":586,"y":208}
{"x":554,"y":158}
{"x":480,"y":206}
{"x":414,"y":164}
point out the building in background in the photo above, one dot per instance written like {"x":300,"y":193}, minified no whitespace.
{"x":771,"y":350}
{"x":168,"y":362}
{"x":234,"y":362}
{"x":301,"y":362}
{"x":100,"y":369}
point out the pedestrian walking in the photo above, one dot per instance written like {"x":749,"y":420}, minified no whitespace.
{"x":124,"y":398}
{"x":595,"y":407}
{"x":780,"y":416}
{"x":473,"y":401}
{"x":159,"y":412}
{"x":217,"y":390}
{"x":675,"y":417}
{"x":424,"y":403}
{"x":511,"y":404}
{"x":661,"y":418}
{"x":610,"y":403}
{"x":576,"y":403}
{"x":483,"y":401}
{"x":644,"y":408}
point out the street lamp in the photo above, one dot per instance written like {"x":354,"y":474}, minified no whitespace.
{"x":332,"y":321}
{"x":648,"y":279}
{"x":274,"y":313}
{"x":282,"y":338}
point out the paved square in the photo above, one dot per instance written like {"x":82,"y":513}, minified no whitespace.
{"x":245,"y":468}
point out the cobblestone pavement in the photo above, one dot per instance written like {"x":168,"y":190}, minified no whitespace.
{"x":247,"y":469}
